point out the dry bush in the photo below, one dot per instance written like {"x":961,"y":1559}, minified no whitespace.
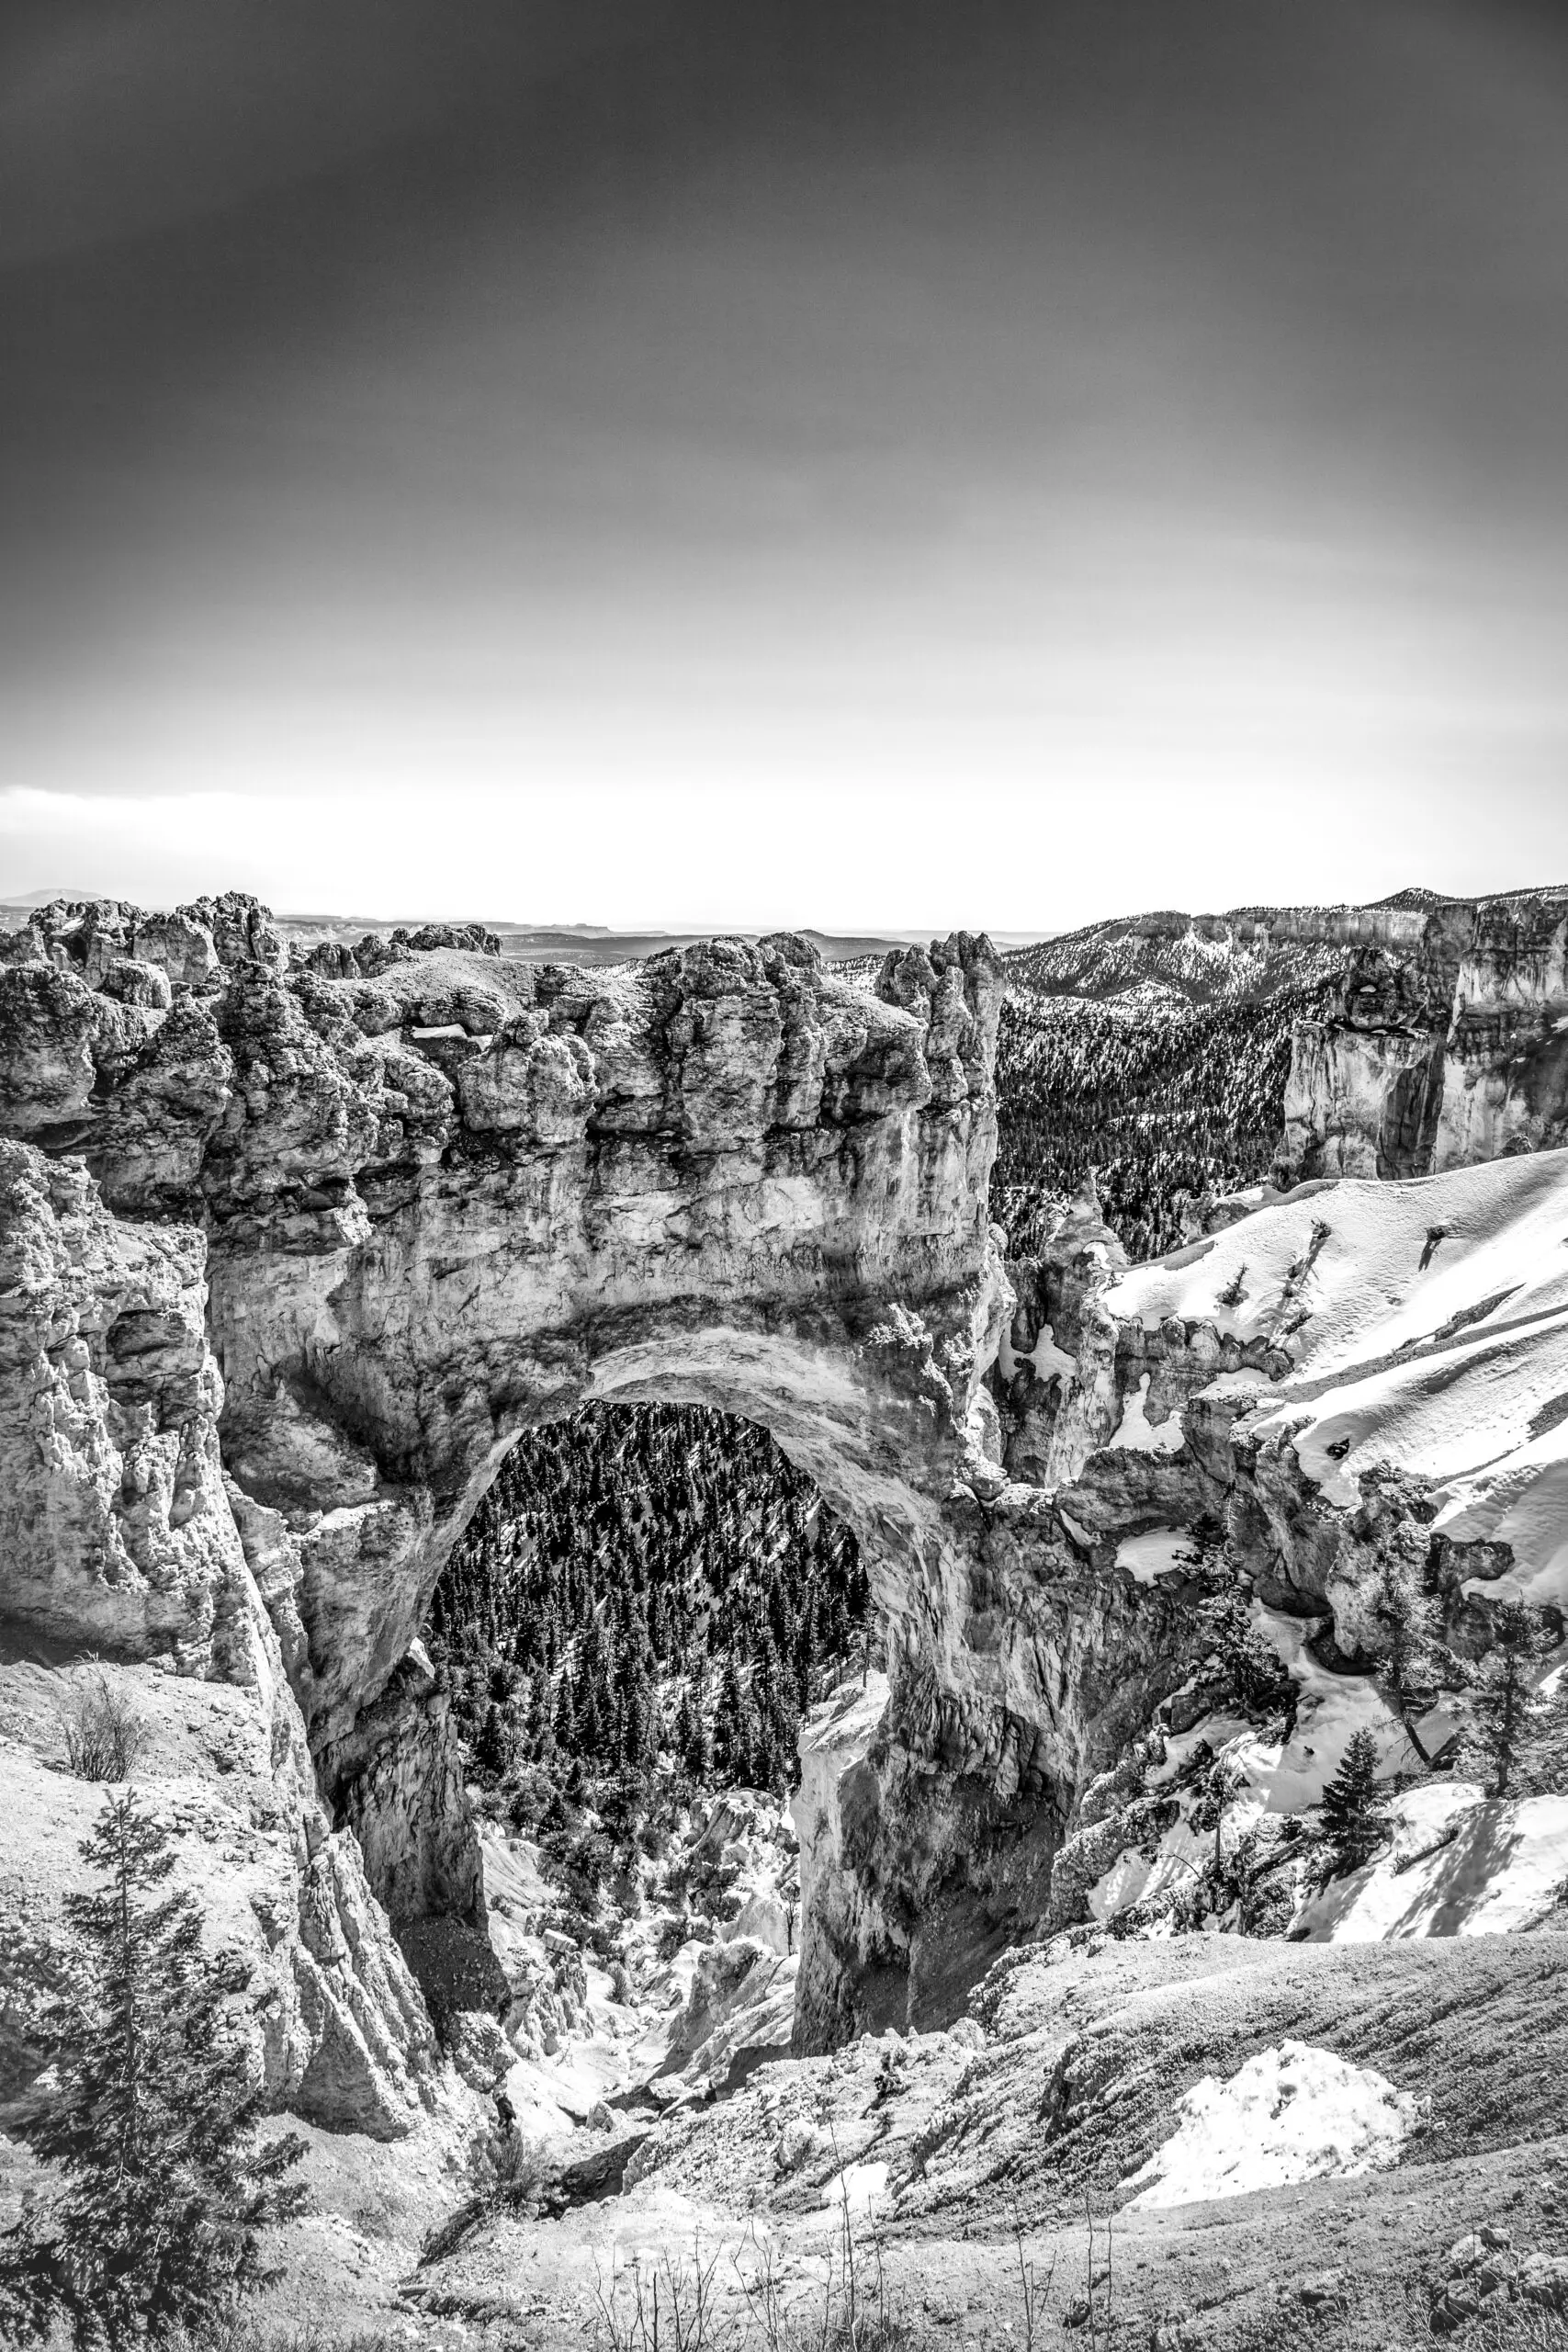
{"x":506,"y":2174}
{"x":104,"y":1737}
{"x":514,"y":2171}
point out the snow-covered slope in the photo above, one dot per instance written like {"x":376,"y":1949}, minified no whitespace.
{"x":1458,"y":1866}
{"x":1248,"y":953}
{"x":1427,"y":1329}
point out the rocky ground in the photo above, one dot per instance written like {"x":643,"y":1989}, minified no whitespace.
{"x":954,"y":2174}
{"x":1053,"y":1986}
{"x":1353,"y":2132}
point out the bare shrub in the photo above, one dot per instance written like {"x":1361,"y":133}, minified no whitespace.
{"x":104,"y":1737}
{"x":506,"y":2174}
{"x":628,"y":2314}
{"x":514,"y":2171}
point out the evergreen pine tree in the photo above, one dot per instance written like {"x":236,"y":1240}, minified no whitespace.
{"x":492,"y":1750}
{"x":1545,"y":1768}
{"x":1410,"y":1621}
{"x":1355,"y":1812}
{"x":734,"y":1727}
{"x":566,"y":1716}
{"x":696,"y":1747}
{"x":639,"y":1730}
{"x":164,"y":2190}
{"x":596,"y":1722}
{"x":1509,"y":1717}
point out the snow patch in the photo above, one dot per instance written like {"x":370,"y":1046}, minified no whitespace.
{"x":1138,"y":1434}
{"x":1522,"y":1502}
{"x":856,"y":2189}
{"x":1134,"y":1877}
{"x":1330,"y":1708}
{"x":1505,"y":1869}
{"x":1292,"y":2113}
{"x":1044,"y":1359}
{"x":1162,"y":1552}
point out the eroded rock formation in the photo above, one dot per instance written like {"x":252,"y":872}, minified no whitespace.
{"x":433,"y":1202}
{"x":1446,"y":1042}
{"x":117,"y":1539}
{"x":436,"y":1197}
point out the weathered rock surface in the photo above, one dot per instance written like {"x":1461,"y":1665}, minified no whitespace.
{"x":441,"y":1198}
{"x":116,"y":1535}
{"x":438,"y":1196}
{"x":1446,"y":1042}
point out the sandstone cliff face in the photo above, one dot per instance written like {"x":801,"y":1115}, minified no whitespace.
{"x":118,"y":1537}
{"x":1447,"y":1043}
{"x":436,"y":1197}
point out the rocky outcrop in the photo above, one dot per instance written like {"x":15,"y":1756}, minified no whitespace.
{"x":438,"y":1197}
{"x":853,"y":1968}
{"x":114,"y":1523}
{"x":1445,"y":1045}
{"x":118,"y":1537}
{"x":1357,"y":1381}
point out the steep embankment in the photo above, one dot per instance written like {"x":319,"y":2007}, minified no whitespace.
{"x":1273,"y":2145}
{"x":1347,"y":1413}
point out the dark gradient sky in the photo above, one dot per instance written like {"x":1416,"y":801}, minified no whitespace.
{"x":872,"y":464}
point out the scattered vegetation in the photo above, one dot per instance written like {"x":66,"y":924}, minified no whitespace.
{"x":675,"y":2302}
{"x":104,"y":1737}
{"x":507,"y":2173}
{"x":163,"y":2189}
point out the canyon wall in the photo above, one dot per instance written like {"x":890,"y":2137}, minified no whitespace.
{"x":1446,"y":1042}
{"x":336,"y":1228}
{"x":298,"y":1245}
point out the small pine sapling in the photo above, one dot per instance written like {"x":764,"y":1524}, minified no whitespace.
{"x":1355,"y":1811}
{"x":1510,"y":1717}
{"x":165,"y":2192}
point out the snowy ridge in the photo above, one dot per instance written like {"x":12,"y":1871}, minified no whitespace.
{"x":1428,"y":1326}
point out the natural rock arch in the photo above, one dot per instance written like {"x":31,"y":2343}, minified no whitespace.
{"x":291,"y":1248}
{"x":442,"y":1197}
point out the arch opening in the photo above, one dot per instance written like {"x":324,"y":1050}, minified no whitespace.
{"x":644,"y":1606}
{"x":623,"y":1643}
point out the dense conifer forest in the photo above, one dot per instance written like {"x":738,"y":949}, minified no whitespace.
{"x":1165,"y":1101}
{"x":648,"y":1592}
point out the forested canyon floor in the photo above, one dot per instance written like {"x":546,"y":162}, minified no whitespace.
{"x":1156,"y":1554}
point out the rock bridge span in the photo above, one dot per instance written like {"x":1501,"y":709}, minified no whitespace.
{"x":302,"y":1242}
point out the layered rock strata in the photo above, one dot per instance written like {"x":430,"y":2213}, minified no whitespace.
{"x":1445,"y":1043}
{"x":436,"y":1197}
{"x":433,"y":1202}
